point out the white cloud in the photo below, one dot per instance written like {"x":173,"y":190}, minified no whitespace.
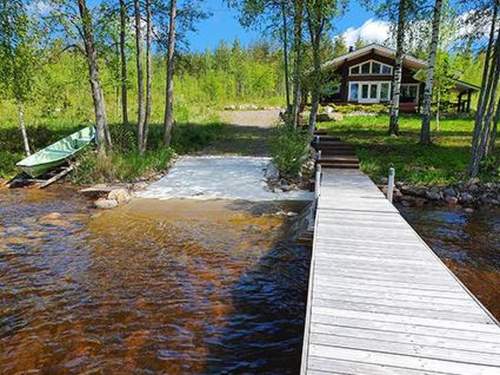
{"x":372,"y":31}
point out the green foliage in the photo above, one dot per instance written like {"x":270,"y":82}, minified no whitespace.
{"x":289,"y":149}
{"x":350,"y":108}
{"x":444,"y":162}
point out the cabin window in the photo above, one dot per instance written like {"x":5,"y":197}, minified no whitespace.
{"x":384,"y":91}
{"x":409,"y":93}
{"x":386,"y":69}
{"x":353,"y":91}
{"x":371,"y":67}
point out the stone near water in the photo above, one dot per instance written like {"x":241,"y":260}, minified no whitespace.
{"x":121,"y":196}
{"x":451,"y":200}
{"x":105,"y":204}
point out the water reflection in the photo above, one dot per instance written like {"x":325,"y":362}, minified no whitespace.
{"x":152,"y":287}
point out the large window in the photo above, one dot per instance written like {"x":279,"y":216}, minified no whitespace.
{"x":353,"y":91}
{"x":370,"y":67}
{"x":369,"y":92}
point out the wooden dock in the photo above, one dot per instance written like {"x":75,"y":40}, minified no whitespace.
{"x":380,"y":301}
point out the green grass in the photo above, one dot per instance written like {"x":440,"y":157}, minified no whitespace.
{"x":123,"y":163}
{"x":443,"y":162}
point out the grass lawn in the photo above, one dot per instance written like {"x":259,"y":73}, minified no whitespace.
{"x":444,"y":162}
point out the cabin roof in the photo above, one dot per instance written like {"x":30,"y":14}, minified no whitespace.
{"x":409,"y":62}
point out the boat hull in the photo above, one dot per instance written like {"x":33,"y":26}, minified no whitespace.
{"x":57,"y":153}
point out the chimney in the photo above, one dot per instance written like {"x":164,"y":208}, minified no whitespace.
{"x":351,"y":48}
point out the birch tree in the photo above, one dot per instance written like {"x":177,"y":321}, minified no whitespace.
{"x":319,"y":14}
{"x":87,"y":34}
{"x":484,"y":133}
{"x":123,"y":60}
{"x":425,"y":133}
{"x":298,"y":19}
{"x":169,"y":86}
{"x":141,"y":109}
{"x":18,"y":59}
{"x":149,"y":74}
{"x":398,"y":68}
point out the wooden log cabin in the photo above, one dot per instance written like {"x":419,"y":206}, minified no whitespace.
{"x":364,"y":76}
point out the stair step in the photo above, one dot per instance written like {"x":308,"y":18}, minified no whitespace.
{"x":339,"y":166}
{"x":339,"y":158}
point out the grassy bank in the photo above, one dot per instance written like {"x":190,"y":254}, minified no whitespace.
{"x":122,"y":164}
{"x":444,"y":162}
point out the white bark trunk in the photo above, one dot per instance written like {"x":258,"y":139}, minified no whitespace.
{"x":22,"y":127}
{"x":169,"y":99}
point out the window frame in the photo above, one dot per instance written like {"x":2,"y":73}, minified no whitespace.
{"x":371,"y":61}
{"x":360,"y":99}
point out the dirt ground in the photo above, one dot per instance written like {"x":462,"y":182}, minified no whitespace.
{"x":246,"y":133}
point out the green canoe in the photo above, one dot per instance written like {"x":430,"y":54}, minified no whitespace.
{"x":56,"y":154}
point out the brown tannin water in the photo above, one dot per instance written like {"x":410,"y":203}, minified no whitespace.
{"x":468,"y":243}
{"x":172,"y":287}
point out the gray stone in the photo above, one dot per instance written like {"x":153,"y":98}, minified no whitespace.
{"x":105,"y":204}
{"x":469,"y":210}
{"x":433,"y":195}
{"x":449,"y":191}
{"x":466,"y":198}
{"x":121,"y":196}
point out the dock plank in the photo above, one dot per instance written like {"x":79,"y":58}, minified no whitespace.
{"x":380,"y":301}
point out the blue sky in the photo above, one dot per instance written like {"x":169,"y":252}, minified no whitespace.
{"x":223,"y":25}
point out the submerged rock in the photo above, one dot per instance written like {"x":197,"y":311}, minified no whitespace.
{"x":105,"y":204}
{"x":121,"y":196}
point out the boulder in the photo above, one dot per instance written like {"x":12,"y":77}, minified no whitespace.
{"x":105,"y":204}
{"x":121,"y":196}
{"x":54,"y":218}
{"x":449,"y":191}
{"x":466,"y":198}
{"x":433,"y":194}
{"x":451,"y":200}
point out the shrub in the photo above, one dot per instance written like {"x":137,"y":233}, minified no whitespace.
{"x":289,"y":149}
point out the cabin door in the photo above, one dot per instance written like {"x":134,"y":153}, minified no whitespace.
{"x":369,"y":93}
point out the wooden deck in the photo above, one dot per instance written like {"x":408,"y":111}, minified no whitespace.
{"x":380,"y":301}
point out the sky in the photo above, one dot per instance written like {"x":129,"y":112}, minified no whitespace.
{"x":224,"y":25}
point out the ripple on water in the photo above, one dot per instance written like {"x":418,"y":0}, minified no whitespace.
{"x":169,"y":287}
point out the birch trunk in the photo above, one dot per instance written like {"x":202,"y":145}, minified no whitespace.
{"x":425,"y":131}
{"x":297,"y":68}
{"x":169,"y":99}
{"x":493,"y":137}
{"x":22,"y":127}
{"x":123,"y":61}
{"x":315,"y":23}
{"x":485,"y":82}
{"x":285,"y":55}
{"x":149,"y":74}
{"x":398,"y":68}
{"x":486,"y":106}
{"x":141,"y":111}
{"x":315,"y":90}
{"x":103,"y":139}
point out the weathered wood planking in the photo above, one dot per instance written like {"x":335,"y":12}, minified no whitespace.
{"x":380,"y":301}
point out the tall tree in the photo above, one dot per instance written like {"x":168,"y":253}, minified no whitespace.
{"x":169,"y":94}
{"x":141,"y":109}
{"x":484,"y":121}
{"x":123,"y":60}
{"x":103,"y":135}
{"x":398,"y":68}
{"x":149,"y":74}
{"x":319,"y":14}
{"x":425,"y":131}
{"x":285,"y":51}
{"x":298,"y":19}
{"x":18,"y":58}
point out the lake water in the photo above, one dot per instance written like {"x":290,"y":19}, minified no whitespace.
{"x":179,"y":286}
{"x":152,"y":287}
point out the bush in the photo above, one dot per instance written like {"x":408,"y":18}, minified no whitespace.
{"x":350,"y":108}
{"x":289,"y":149}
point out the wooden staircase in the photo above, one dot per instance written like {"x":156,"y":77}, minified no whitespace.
{"x":333,"y":153}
